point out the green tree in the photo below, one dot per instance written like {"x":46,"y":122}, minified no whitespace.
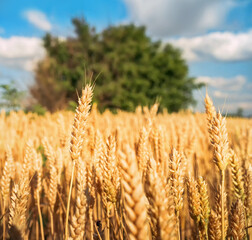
{"x":11,"y":97}
{"x":239,"y":112}
{"x":132,"y":70}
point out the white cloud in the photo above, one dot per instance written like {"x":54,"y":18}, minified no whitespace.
{"x":21,"y":52}
{"x":234,"y":106}
{"x":225,"y":101}
{"x":221,"y":46}
{"x":38,"y":19}
{"x":232,"y":96}
{"x":228,"y":84}
{"x":165,"y":18}
{"x":219,"y":94}
{"x":178,"y":22}
{"x":228,"y":94}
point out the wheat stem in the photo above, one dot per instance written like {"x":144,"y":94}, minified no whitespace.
{"x":91,"y":223}
{"x":4,"y":220}
{"x":222,"y":205}
{"x":178,"y":227}
{"x":40,"y":217}
{"x":68,"y":202}
{"x":37,"y":230}
{"x":52,"y":223}
{"x":98,"y":234}
{"x":107,"y":224}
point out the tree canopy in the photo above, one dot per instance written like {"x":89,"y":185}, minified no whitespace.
{"x":130,"y":70}
{"x":11,"y":97}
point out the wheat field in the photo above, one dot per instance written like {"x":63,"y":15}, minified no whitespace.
{"x":135,"y":176}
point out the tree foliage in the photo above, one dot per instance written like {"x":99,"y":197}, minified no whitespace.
{"x":11,"y":97}
{"x":131,"y":68}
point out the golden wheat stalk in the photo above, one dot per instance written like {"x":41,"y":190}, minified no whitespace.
{"x":221,"y":210}
{"x":214,"y":226}
{"x":193,"y":199}
{"x":204,"y":208}
{"x":49,"y":153}
{"x":248,"y":190}
{"x":219,"y":141}
{"x":37,"y":187}
{"x":5,"y":184}
{"x":134,"y":199}
{"x":80,"y":122}
{"x":52,"y":194}
{"x":177,"y":184}
{"x":161,"y":220}
{"x":28,"y":158}
{"x":18,"y":210}
{"x":78,"y":220}
{"x":211,"y":113}
{"x":78,"y":133}
{"x":237,"y":221}
{"x":6,"y":176}
{"x":142,"y":149}
{"x":237,"y":177}
{"x":111,"y":180}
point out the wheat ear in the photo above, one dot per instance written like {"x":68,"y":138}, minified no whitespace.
{"x":78,"y":220}
{"x":219,"y":140}
{"x":28,"y":158}
{"x":193,"y":199}
{"x":111,"y":180}
{"x":199,"y":205}
{"x":248,"y":190}
{"x":18,"y":209}
{"x":177,"y":183}
{"x":49,"y":153}
{"x":211,"y":113}
{"x":204,"y":208}
{"x":142,"y":149}
{"x":38,"y":188}
{"x":78,"y":133}
{"x":237,"y":178}
{"x":52,"y":195}
{"x":158,"y":208}
{"x":214,"y":226}
{"x":5,"y":183}
{"x":237,"y":221}
{"x":134,"y":200}
{"x":248,"y":194}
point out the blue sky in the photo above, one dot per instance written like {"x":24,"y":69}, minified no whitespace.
{"x":215,"y":38}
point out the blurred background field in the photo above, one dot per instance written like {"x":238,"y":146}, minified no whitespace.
{"x":167,"y":160}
